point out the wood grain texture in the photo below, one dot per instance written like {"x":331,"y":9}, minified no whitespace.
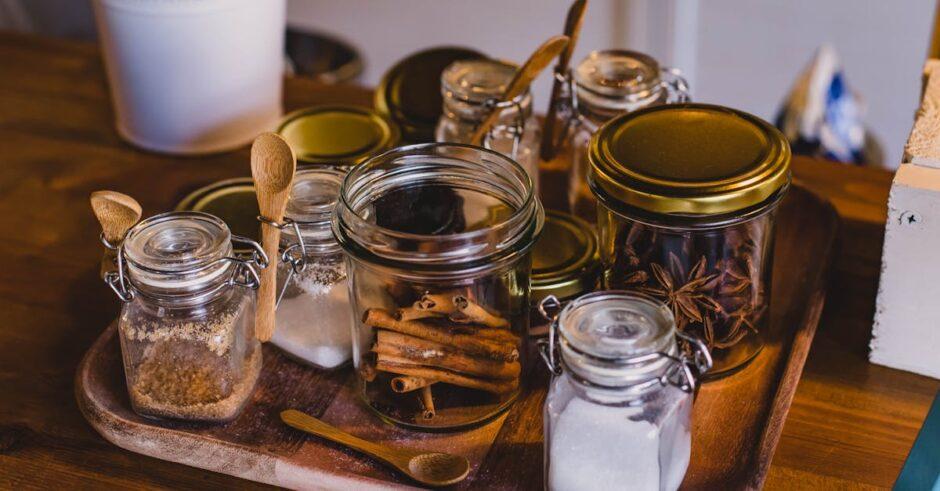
{"x":850,"y":424}
{"x":736,"y":420}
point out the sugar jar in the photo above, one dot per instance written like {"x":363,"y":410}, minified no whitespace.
{"x":688,"y":195}
{"x":438,"y":239}
{"x":313,"y":317}
{"x":618,"y":409}
{"x":471,"y":90}
{"x":187,"y":323}
{"x":605,"y":84}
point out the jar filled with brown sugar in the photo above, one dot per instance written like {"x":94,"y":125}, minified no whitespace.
{"x":438,"y":240}
{"x":687,"y":197}
{"x":187,"y":323}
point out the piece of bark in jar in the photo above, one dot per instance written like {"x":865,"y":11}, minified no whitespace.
{"x":430,"y":353}
{"x":494,"y":343}
{"x":402,"y":366}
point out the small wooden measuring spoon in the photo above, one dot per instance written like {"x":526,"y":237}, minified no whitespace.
{"x":117,"y":213}
{"x":540,"y":59}
{"x":272,"y":166}
{"x":429,"y":468}
{"x":573,"y":21}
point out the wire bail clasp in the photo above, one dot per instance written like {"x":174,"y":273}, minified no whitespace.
{"x":517,"y":129}
{"x":677,"y":87}
{"x":295,"y":254}
{"x":117,"y":279}
{"x":689,"y":365}
{"x":549,"y":308}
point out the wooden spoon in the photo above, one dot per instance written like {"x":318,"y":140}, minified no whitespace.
{"x":428,"y":468}
{"x":117,"y":213}
{"x":573,"y":23}
{"x":540,"y":59}
{"x":272,"y":166}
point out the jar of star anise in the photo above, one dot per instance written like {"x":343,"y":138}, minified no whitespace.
{"x":688,"y":195}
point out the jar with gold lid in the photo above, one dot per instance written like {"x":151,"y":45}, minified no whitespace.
{"x":604,"y":85}
{"x":472,"y":90}
{"x":337,"y":135}
{"x":687,"y":196}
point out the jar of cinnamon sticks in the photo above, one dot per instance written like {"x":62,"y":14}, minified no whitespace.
{"x":688,"y":195}
{"x":438,"y":240}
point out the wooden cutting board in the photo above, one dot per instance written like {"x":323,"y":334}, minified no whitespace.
{"x":736,"y":420}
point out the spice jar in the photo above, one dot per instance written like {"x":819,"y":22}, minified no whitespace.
{"x":472,"y":89}
{"x":313,"y":317}
{"x":187,"y":323}
{"x":618,"y":409}
{"x":437,"y":238}
{"x":604,"y":85}
{"x":688,"y":195}
{"x":564,"y":264}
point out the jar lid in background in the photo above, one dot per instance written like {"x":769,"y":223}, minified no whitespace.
{"x":337,"y":135}
{"x":565,"y":259}
{"x":409,"y":94}
{"x":695,"y":159}
{"x":232,"y":200}
{"x":615,"y":74}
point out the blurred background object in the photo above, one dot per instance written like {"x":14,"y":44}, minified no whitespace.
{"x":322,"y":58}
{"x":741,"y":53}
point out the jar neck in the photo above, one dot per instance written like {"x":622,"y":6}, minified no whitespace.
{"x":599,"y":108}
{"x":182,"y":290}
{"x":473,"y":112}
{"x":438,"y":207}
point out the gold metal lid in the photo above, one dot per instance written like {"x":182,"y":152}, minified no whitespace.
{"x":231,"y":200}
{"x":409,"y":94}
{"x":565,"y":258}
{"x":696,"y":159}
{"x":338,"y":135}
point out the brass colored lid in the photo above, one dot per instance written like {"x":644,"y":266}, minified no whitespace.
{"x":337,"y":135}
{"x":696,"y":159}
{"x":232,"y":200}
{"x":565,"y":259}
{"x":409,"y":94}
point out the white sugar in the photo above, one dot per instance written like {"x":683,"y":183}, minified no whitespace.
{"x":315,"y":326}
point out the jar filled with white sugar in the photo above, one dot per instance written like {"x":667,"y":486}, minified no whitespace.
{"x":619,"y":406}
{"x":313,"y":319}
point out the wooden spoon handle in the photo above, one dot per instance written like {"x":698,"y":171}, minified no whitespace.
{"x":314,"y":426}
{"x":540,"y":59}
{"x":267,"y":292}
{"x":573,"y":23}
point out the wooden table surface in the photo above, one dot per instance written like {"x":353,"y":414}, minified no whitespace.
{"x":850,"y":426}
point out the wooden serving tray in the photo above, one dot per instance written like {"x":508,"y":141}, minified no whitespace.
{"x":736,"y":420}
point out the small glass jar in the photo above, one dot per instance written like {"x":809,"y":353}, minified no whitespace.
{"x":187,"y":323}
{"x":618,"y":409}
{"x":688,"y":195}
{"x":313,"y":317}
{"x":471,"y":90}
{"x":438,"y":238}
{"x":604,"y":85}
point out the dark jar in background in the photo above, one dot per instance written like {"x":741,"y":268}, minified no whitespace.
{"x":438,"y":240}
{"x":688,"y":194}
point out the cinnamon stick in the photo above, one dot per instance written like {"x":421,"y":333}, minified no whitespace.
{"x":438,"y":303}
{"x":427,"y":400}
{"x":474,"y":313}
{"x":430,"y":353}
{"x":402,"y":366}
{"x":405,"y":384}
{"x":470,"y":339}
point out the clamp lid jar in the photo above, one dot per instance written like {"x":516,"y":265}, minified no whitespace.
{"x":187,"y":322}
{"x":619,"y":406}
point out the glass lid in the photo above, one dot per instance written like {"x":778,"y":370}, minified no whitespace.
{"x":177,"y":241}
{"x":476,"y":81}
{"x":618,"y":73}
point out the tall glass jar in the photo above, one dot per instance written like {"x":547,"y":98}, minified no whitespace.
{"x":187,"y":323}
{"x":313,"y":317}
{"x":619,"y":405}
{"x":604,"y":85}
{"x":688,"y":194}
{"x":438,"y":238}
{"x":471,"y":90}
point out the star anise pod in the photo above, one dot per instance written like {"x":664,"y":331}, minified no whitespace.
{"x":687,"y":295}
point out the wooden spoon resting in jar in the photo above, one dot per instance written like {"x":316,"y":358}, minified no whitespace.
{"x":573,"y":21}
{"x":272,"y":166}
{"x":540,"y":59}
{"x":428,"y":468}
{"x":117,"y":213}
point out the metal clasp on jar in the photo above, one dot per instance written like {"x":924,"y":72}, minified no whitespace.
{"x":244,"y":274}
{"x":295,"y":254}
{"x":517,"y":129}
{"x":683,"y":374}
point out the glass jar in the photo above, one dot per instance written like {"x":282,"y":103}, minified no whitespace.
{"x":187,"y":323}
{"x":313,"y":317}
{"x":604,"y":85}
{"x":471,"y":90}
{"x":688,"y":195}
{"x":438,"y":238}
{"x":618,"y":409}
